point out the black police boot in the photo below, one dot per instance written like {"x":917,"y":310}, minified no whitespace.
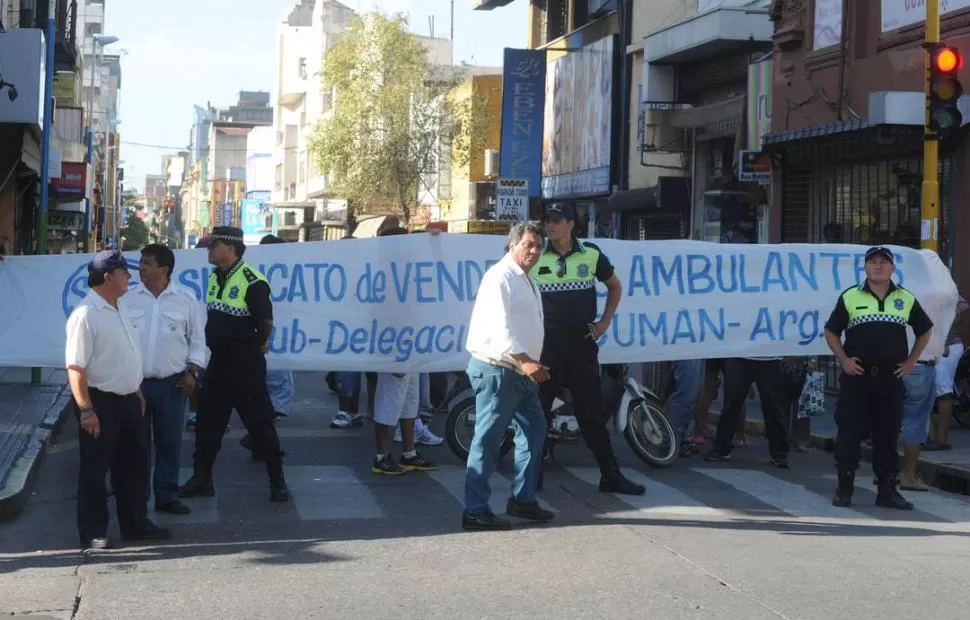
{"x":612,"y":480}
{"x":278,"y":491}
{"x":843,"y":494}
{"x":200,"y":484}
{"x":889,"y":497}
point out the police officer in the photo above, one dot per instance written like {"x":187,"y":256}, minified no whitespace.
{"x":566,"y":274}
{"x":874,"y":359}
{"x":237,"y":331}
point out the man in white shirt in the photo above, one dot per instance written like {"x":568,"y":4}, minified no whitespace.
{"x":104,"y":367}
{"x":505,"y":341}
{"x":171,"y":325}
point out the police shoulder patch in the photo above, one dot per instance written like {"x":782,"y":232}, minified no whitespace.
{"x":899,"y":304}
{"x":250,"y":276}
{"x":583,"y":270}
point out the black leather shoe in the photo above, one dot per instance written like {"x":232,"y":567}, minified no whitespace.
{"x":148,"y":531}
{"x":889,"y":497}
{"x":174,"y":507}
{"x":843,"y":494}
{"x":97,"y":544}
{"x":612,"y":480}
{"x":532,"y":512}
{"x":484,"y":522}
{"x":279,"y":494}
{"x":198,"y":486}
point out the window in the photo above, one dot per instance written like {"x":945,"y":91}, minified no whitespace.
{"x":302,"y":68}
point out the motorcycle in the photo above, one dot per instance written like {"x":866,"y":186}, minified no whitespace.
{"x":637,"y":414}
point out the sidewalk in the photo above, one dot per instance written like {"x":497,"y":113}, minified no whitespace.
{"x":949,"y":470}
{"x":29,"y":417}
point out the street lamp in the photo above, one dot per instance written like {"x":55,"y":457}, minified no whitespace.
{"x":98,"y":42}
{"x":105,"y":187}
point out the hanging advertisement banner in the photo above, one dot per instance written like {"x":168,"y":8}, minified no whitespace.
{"x":523,"y":100}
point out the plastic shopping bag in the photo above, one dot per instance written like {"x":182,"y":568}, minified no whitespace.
{"x":811,"y":402}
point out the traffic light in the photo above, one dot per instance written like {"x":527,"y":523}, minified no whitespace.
{"x":944,"y":90}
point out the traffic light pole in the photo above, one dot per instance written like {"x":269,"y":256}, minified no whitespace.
{"x":930,"y":196}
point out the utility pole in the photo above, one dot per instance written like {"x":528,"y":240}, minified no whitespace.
{"x":930,"y":194}
{"x":45,"y":152}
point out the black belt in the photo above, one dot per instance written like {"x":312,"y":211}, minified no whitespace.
{"x":95,"y":390}
{"x":168,"y":378}
{"x":927,"y":363}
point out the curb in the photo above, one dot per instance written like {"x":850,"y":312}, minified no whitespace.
{"x":23,"y":472}
{"x":950,"y":478}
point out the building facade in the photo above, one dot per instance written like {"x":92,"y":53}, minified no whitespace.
{"x":847,"y":116}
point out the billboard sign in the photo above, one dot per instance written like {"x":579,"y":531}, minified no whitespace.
{"x":523,"y":96}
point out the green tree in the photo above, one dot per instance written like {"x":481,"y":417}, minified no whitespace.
{"x":384,"y":131}
{"x":135,"y":235}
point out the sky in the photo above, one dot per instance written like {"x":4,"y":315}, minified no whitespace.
{"x":180,"y":53}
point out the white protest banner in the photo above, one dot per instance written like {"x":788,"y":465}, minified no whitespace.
{"x":402,"y":303}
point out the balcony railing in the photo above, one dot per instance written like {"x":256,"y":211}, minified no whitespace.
{"x":34,"y":14}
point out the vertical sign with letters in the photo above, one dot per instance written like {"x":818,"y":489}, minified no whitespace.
{"x":523,"y":105}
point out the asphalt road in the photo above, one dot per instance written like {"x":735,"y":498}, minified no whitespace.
{"x":731,"y":540}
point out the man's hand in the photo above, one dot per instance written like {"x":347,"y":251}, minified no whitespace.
{"x":91,"y":424}
{"x":904,"y":369}
{"x":853,"y":366}
{"x":597,"y":329}
{"x":187,"y":385}
{"x":535,"y":371}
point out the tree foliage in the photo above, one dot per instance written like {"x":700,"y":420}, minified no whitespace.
{"x":135,"y":236}
{"x":386,"y":123}
{"x":470,"y":120}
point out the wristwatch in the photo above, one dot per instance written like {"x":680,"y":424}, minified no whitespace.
{"x":193,"y":372}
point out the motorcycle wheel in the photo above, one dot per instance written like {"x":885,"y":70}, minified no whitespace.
{"x":961,"y":413}
{"x":650,"y":435}
{"x":460,"y":418}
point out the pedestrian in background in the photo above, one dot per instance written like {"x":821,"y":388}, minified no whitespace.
{"x":946,"y":371}
{"x":104,"y":366}
{"x":171,"y":327}
{"x":875,"y":359}
{"x":687,"y":378}
{"x":505,"y":340}
{"x":238,"y":326}
{"x":279,"y":383}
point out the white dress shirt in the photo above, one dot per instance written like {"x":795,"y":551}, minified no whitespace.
{"x":507,"y":317}
{"x":102,"y":341}
{"x":171,"y":328}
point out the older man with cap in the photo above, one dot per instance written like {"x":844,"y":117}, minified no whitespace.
{"x":237,"y":331}
{"x":104,"y":367}
{"x":875,"y":358}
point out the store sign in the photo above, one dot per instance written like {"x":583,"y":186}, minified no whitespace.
{"x":578,"y":127}
{"x":755,"y":166}
{"x":523,"y":102}
{"x":65,"y":220}
{"x":72,"y":182}
{"x":902,"y":13}
{"x":512,"y":196}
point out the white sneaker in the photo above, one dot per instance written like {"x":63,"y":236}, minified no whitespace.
{"x":423,"y":436}
{"x":341,"y":420}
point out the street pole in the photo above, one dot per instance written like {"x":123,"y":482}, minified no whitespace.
{"x":105,"y":190}
{"x":930,"y":195}
{"x":45,"y":154}
{"x":89,"y":206}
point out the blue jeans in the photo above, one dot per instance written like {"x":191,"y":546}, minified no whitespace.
{"x":688,"y":375}
{"x":502,"y":395}
{"x":281,"y":390}
{"x":165,"y":412}
{"x":349,"y":384}
{"x":919,"y":394}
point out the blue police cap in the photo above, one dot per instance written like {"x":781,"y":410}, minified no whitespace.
{"x":107,"y":261}
{"x":561,"y":210}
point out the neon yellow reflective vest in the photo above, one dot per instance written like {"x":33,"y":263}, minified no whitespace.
{"x":864,"y":308}
{"x":231,"y":299}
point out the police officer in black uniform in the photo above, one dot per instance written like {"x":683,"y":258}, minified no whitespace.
{"x":874,"y":359}
{"x":566,"y":275}
{"x":237,"y":331}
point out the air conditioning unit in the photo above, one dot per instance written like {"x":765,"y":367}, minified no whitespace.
{"x":491,"y":162}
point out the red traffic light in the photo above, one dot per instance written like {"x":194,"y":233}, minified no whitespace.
{"x":948,"y":60}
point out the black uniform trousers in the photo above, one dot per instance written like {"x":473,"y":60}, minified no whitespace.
{"x":122,"y":447}
{"x":869,"y":404}
{"x":573,"y":361}
{"x":236,"y":379}
{"x":739,"y":374}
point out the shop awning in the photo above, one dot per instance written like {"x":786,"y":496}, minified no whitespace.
{"x":632,"y":200}
{"x":703,"y":116}
{"x":777,"y":138}
{"x":722,"y":31}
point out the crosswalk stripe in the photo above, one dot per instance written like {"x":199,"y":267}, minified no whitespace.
{"x":205,"y":510}
{"x":452,"y":478}
{"x":930,"y":502}
{"x":660,"y":499}
{"x":327,"y":493}
{"x":794,"y":499}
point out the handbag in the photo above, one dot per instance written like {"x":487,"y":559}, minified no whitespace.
{"x":811,"y":402}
